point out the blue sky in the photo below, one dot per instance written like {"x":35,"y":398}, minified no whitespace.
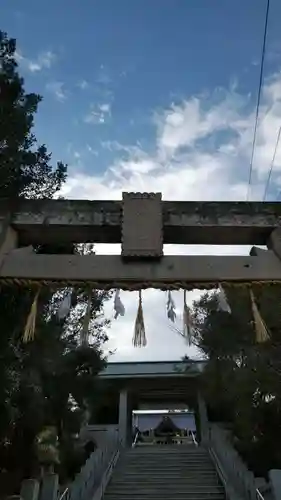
{"x":152,"y":95}
{"x":132,"y":58}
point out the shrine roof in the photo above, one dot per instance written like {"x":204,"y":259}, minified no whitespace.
{"x":148,"y":369}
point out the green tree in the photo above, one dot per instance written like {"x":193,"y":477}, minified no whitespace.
{"x":44,"y":383}
{"x":242,"y":378}
{"x":24,"y":171}
{"x":25,"y":168}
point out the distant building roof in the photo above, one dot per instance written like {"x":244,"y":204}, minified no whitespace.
{"x":147,"y":369}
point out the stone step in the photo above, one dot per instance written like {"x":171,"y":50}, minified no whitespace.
{"x":171,"y":458}
{"x":165,"y":473}
{"x":172,"y":463}
{"x":166,"y":493}
{"x":131,"y":495}
{"x":170,"y":454}
{"x":165,"y":470}
{"x":169,"y":474}
{"x":171,"y":446}
{"x":167,"y":463}
{"x":165,"y":451}
{"x":175,"y":496}
{"x":160,"y":477}
{"x":168,"y":457}
{"x":163,"y":486}
{"x":175,"y":459}
{"x":193,"y":469}
{"x":167,"y":486}
{"x":147,"y":451}
{"x":159,"y":481}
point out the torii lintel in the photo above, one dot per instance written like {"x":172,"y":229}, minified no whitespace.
{"x":142,"y":223}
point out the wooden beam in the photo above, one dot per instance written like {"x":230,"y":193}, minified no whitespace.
{"x":106,"y":272}
{"x":77,"y":221}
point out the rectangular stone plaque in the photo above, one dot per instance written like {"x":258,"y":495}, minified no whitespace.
{"x":142,"y":225}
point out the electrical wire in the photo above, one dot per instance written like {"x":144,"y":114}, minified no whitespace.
{"x":258,"y":100}
{"x":271,"y":165}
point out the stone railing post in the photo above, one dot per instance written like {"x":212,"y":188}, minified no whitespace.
{"x":30,"y":489}
{"x":50,"y":487}
{"x":275,"y":482}
{"x":203,"y":417}
{"x":123,"y":417}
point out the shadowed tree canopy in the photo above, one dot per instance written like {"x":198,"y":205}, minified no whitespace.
{"x":45,"y":383}
{"x":25,"y":168}
{"x":243,"y":378}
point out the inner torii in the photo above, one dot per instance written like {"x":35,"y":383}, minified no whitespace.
{"x":142,"y":223}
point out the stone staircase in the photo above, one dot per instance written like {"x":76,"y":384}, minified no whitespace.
{"x":165,"y":472}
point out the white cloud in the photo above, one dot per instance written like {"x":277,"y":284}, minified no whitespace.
{"x":44,"y":60}
{"x":182,"y":125}
{"x":202,"y":152}
{"x":98,"y":114}
{"x":103,"y":77}
{"x":92,"y":150}
{"x":105,"y":108}
{"x":57,"y":90}
{"x":83,"y":84}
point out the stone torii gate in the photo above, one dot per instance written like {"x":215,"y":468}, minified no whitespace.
{"x":142,"y":223}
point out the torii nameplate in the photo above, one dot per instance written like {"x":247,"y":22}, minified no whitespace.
{"x":142,"y":225}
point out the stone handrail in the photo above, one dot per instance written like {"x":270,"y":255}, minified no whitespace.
{"x":89,"y":484}
{"x":259,"y":496}
{"x":194,"y":440}
{"x":239,"y":482}
{"x":135,"y":439}
{"x":98,"y":467}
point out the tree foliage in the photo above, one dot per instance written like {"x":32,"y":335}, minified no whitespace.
{"x":25,"y":165}
{"x":242,"y":378}
{"x":45,"y":384}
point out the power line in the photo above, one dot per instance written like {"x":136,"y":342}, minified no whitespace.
{"x":272,"y":165}
{"x":258,"y":100}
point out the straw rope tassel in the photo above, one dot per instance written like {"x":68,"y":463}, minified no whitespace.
{"x":262,"y":333}
{"x":139,"y":338}
{"x":29,"y":331}
{"x":86,"y":321}
{"x":187,"y":333}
